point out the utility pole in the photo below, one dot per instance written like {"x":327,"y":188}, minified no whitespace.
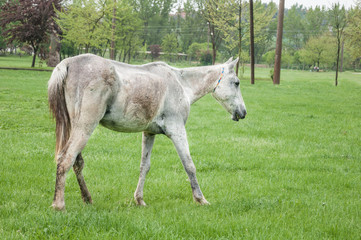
{"x":251,"y":29}
{"x":278,"y":55}
{"x":112,"y":44}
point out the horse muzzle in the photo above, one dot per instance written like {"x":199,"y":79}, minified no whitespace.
{"x":239,"y":114}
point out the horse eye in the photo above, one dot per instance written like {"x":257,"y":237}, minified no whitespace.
{"x":237,"y":84}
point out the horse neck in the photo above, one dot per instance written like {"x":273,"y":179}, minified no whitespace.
{"x":199,"y":81}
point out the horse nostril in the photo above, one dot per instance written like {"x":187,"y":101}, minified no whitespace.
{"x":243,"y":114}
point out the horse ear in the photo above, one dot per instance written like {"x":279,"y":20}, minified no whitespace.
{"x":229,"y":60}
{"x":233,"y":63}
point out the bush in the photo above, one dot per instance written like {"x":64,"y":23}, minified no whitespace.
{"x":195,"y":50}
{"x":154,"y":51}
{"x":206,"y":58}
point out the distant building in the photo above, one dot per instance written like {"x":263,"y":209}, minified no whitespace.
{"x":180,"y":13}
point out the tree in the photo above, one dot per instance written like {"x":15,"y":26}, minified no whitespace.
{"x":338,"y":23}
{"x":215,"y":35}
{"x":226,"y":17}
{"x":193,"y":28}
{"x":29,"y":21}
{"x":170,"y":45}
{"x":112,"y":44}
{"x":155,"y":16}
{"x":315,"y":22}
{"x":353,"y":33}
{"x":231,"y":18}
{"x":86,"y":23}
{"x":195,"y":50}
{"x":294,"y":27}
{"x":319,"y":51}
{"x":128,"y":30}
{"x":278,"y":55}
{"x":2,"y":42}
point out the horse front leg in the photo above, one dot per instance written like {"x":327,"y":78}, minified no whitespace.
{"x":147,"y":145}
{"x":179,"y":138}
{"x":78,"y":167}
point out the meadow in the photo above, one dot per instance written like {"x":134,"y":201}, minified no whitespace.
{"x":290,"y":170}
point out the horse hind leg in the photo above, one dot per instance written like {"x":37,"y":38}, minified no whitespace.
{"x":78,"y":167}
{"x":92,"y":111}
{"x":66,"y":160}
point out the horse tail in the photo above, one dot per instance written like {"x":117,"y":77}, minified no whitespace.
{"x":57,"y":105}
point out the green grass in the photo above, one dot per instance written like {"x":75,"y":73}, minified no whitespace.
{"x":22,"y":62}
{"x":290,"y":170}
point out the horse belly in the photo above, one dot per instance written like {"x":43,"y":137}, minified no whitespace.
{"x":123,"y":124}
{"x":127,"y":115}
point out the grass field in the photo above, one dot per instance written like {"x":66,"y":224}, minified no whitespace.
{"x":290,"y":170}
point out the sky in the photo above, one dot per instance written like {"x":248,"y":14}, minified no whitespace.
{"x":313,"y":3}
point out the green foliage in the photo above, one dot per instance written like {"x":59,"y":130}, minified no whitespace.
{"x":68,"y":48}
{"x":155,"y":16}
{"x":206,"y":58}
{"x":86,"y":23}
{"x":271,"y":74}
{"x":193,"y":27}
{"x":286,"y":59}
{"x":195,"y":50}
{"x":128,"y":30}
{"x":269,"y":57}
{"x":319,"y":51}
{"x":315,"y":22}
{"x":294,"y":28}
{"x":2,"y":42}
{"x":170,"y":45}
{"x":289,"y":170}
{"x":353,"y":34}
{"x":226,"y":19}
{"x":29,"y":21}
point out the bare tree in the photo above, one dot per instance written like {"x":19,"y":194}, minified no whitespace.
{"x":338,"y":22}
{"x":277,"y":67}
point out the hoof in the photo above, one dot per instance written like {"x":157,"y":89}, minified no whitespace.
{"x":88,"y":200}
{"x":140,"y":202}
{"x":202,"y":201}
{"x":58,"y":207}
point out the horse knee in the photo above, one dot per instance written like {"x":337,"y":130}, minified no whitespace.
{"x":190,"y":168}
{"x":145,"y":168}
{"x":79,"y":164}
{"x":64,"y":166}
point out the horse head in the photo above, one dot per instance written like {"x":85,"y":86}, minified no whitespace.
{"x":227,"y":91}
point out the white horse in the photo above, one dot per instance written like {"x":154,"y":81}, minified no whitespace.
{"x":153,"y":98}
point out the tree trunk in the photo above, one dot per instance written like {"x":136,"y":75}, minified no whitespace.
{"x":54,"y":51}
{"x":343,"y":45}
{"x":112,"y":44}
{"x":337,"y":61}
{"x":35,"y":49}
{"x":34,"y":58}
{"x":214,"y":42}
{"x":251,"y":29}
{"x":278,"y":55}
{"x":214,"y":55}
